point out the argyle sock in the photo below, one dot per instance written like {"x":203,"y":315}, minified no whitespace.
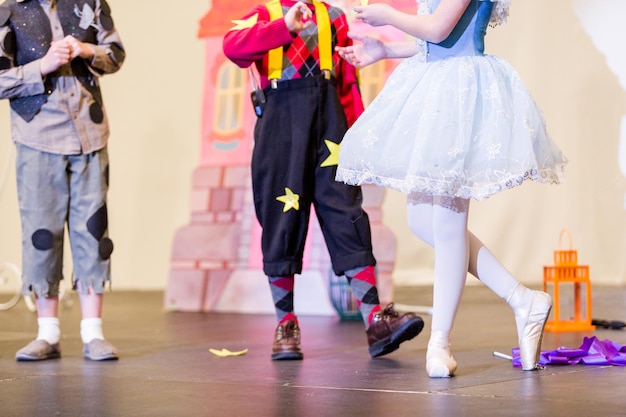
{"x":362,"y":281}
{"x":282,"y":295}
{"x":49,"y":329}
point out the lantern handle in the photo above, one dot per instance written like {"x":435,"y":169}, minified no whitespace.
{"x":569,"y":235}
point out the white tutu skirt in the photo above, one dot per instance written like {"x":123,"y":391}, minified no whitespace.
{"x":460,"y":127}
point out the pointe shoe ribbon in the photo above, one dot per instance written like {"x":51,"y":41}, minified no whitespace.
{"x":591,"y":352}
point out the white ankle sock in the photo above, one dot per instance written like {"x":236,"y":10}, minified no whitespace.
{"x":90,"y":329}
{"x":49,"y":329}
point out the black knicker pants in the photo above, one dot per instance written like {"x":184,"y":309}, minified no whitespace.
{"x":288,"y":153}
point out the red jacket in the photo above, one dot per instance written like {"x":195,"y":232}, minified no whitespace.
{"x":247,"y":45}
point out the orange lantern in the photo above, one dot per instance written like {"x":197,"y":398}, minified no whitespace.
{"x":566,"y":271}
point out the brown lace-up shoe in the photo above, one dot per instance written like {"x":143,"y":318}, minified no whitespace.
{"x":389,"y":329}
{"x":287,"y":342}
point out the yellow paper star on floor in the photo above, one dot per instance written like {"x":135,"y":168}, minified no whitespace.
{"x":225,"y":352}
{"x":245,"y":24}
{"x":291,"y":200}
{"x":333,"y":158}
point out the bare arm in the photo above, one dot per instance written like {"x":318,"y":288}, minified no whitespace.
{"x":434,"y":27}
{"x":401,"y":49}
{"x":369,"y":50}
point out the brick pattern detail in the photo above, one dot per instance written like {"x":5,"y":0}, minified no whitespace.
{"x":207,"y":251}
{"x":217,"y":241}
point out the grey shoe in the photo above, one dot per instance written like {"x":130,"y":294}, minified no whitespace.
{"x":38,"y":350}
{"x":100,"y":350}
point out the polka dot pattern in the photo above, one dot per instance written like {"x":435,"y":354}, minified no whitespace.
{"x":105,"y":248}
{"x":43,"y":239}
{"x":96,"y":113}
{"x":98,"y":223}
{"x":5,"y":63}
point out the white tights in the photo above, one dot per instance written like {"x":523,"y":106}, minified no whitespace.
{"x":446,"y":231}
{"x":457,"y":251}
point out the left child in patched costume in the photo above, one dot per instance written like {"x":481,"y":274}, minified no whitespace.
{"x":52,"y":53}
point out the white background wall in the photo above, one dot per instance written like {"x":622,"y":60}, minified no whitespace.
{"x":154,"y":108}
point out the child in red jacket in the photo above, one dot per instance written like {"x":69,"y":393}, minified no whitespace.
{"x":309,"y":98}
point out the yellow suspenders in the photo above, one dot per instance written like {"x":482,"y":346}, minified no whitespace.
{"x":275,"y":58}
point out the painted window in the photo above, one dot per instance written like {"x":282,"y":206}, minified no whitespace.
{"x":229,"y":99}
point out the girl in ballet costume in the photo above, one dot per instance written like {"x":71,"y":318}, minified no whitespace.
{"x":450,"y":125}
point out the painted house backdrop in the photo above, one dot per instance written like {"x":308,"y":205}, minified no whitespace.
{"x":216,"y":259}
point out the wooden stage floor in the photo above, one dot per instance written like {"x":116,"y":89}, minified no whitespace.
{"x":166,"y":368}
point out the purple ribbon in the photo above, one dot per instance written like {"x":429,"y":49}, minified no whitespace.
{"x":591,"y":352}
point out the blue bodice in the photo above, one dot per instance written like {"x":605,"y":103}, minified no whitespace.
{"x":468,"y":36}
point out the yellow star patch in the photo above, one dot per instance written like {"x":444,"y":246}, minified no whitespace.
{"x":333,"y":158}
{"x":226,"y":352}
{"x":291,"y":200}
{"x":245,"y":24}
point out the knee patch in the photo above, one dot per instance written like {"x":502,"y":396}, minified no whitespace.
{"x":98,"y":223}
{"x":105,"y":248}
{"x":97,"y":226}
{"x":43,"y":239}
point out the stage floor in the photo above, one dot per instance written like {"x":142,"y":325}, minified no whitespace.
{"x":166,"y":368}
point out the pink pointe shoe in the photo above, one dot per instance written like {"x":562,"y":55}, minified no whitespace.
{"x":534,"y":318}
{"x":439,"y":360}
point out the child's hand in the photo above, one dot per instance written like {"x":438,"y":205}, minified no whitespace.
{"x":374,"y":14}
{"x":366,"y":52}
{"x":80,"y":49}
{"x":298,"y":17}
{"x":59,"y":54}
